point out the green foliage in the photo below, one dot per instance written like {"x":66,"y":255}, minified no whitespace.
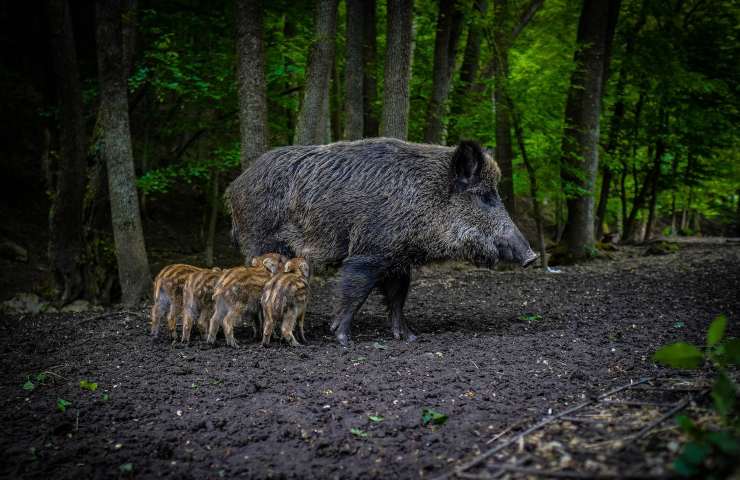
{"x":531,"y":317}
{"x":709,"y":453}
{"x":63,"y":404}
{"x":679,"y":355}
{"x":86,"y":385}
{"x":357,"y":432}
{"x":429,"y":416}
{"x":375,"y":418}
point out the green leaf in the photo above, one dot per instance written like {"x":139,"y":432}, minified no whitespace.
{"x":380,"y":346}
{"x":716,"y":330}
{"x":28,"y":385}
{"x":726,"y":442}
{"x":375,"y":418}
{"x":358,"y":432}
{"x":732,"y":351}
{"x":694,"y":453}
{"x":85,"y":385}
{"x":431,"y":416}
{"x":105,"y":397}
{"x":62,"y":404}
{"x":40,"y":377}
{"x":724,"y":394}
{"x":126,"y":467}
{"x":686,"y":424}
{"x":679,"y":355}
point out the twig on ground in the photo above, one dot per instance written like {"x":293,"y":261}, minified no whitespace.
{"x":565,"y":474}
{"x":108,"y":314}
{"x":678,"y":407}
{"x":545,"y":421}
{"x":504,"y":431}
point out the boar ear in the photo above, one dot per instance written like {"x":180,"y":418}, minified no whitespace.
{"x":467,"y":163}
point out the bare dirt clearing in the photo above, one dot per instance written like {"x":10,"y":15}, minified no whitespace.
{"x":495,"y":348}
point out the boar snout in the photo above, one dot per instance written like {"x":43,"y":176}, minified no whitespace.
{"x":516,"y":249}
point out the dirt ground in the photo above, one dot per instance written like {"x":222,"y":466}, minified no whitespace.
{"x":495,"y":348}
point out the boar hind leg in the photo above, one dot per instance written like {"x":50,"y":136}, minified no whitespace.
{"x":301,"y":332}
{"x":191,"y":311}
{"x":358,"y":277}
{"x":395,"y":290}
{"x":175,"y":309}
{"x":229,"y":322}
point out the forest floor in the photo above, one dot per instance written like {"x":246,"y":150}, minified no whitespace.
{"x":497,"y":351}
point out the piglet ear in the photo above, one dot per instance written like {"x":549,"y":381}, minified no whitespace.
{"x":305,"y":270}
{"x":255,"y":262}
{"x":466,"y":165}
{"x":270,"y":265}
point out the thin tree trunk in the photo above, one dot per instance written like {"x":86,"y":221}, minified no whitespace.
{"x":312,"y":123}
{"x":504,"y":148}
{"x":371,"y":124}
{"x":398,"y":58}
{"x":353,"y":71}
{"x":533,"y":190}
{"x":659,"y":152}
{"x":674,"y":171}
{"x":449,"y":23}
{"x":335,"y":105}
{"x":580,"y":158}
{"x":253,"y":126}
{"x":615,"y":126}
{"x":133,"y":266}
{"x":213,"y":218}
{"x":65,"y":215}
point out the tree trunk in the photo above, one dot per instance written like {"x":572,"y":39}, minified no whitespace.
{"x":370,"y":71}
{"x":336,"y":105}
{"x":65,"y":215}
{"x":312,"y":126}
{"x":471,"y":57}
{"x":398,"y":58}
{"x":580,"y":158}
{"x":504,"y":149}
{"x":615,"y":125}
{"x":533,"y":190}
{"x":353,"y":72}
{"x":660,"y":148}
{"x":133,"y":266}
{"x":449,"y":23}
{"x":212,"y":218}
{"x":253,"y":126}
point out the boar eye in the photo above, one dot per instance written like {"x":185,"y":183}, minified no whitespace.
{"x":490,"y":198}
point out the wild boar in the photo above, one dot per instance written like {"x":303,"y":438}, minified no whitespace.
{"x":284,"y":300}
{"x":378,"y":207}
{"x":197,"y":300}
{"x":237,"y":294}
{"x":167,"y":295}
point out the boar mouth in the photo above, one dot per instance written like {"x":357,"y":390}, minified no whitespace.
{"x":530,"y":259}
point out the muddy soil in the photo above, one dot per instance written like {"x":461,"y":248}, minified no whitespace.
{"x":494,"y":348}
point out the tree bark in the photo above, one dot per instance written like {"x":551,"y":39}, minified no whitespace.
{"x":133,"y":266}
{"x":398,"y":58}
{"x":371,"y":124}
{"x":212,"y":218}
{"x":504,"y":149}
{"x":312,"y":125}
{"x":65,"y":215}
{"x":580,"y":158}
{"x":533,"y":190}
{"x":659,"y":151}
{"x":449,"y":23}
{"x":253,"y":126}
{"x":353,"y":72}
{"x":615,"y":126}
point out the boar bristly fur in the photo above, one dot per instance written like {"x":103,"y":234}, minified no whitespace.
{"x":378,"y":207}
{"x":167,"y":295}
{"x":197,"y":301}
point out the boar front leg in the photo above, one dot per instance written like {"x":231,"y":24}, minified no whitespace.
{"x":395,"y":289}
{"x":359,"y":276}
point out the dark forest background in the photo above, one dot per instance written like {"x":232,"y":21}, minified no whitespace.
{"x":611,"y":120}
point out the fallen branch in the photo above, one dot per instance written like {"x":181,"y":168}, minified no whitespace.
{"x":677,"y":408}
{"x":563,"y":474}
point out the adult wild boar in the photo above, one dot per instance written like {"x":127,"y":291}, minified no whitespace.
{"x":379,"y":207}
